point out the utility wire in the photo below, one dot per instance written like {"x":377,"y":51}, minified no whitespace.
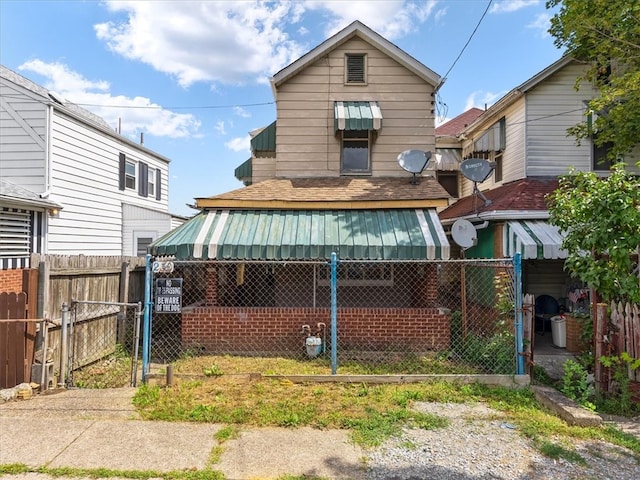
{"x":468,"y":41}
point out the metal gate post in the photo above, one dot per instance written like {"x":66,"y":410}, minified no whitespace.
{"x":146,"y":334}
{"x":517,"y":267}
{"x":64,"y":346}
{"x":334,"y":313}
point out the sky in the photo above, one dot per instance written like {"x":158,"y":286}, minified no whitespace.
{"x":193,"y":76}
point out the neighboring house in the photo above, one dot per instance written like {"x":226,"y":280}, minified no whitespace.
{"x":524,"y":135}
{"x":70,"y":184}
{"x":324,"y":177}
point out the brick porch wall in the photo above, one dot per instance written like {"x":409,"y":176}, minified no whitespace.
{"x":276,"y":330}
{"x":11,"y":281}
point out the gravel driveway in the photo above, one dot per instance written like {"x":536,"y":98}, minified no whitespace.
{"x":480,"y":444}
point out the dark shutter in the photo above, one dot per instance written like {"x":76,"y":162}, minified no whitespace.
{"x":158,"y":184}
{"x":123,"y":166}
{"x":143,"y":179}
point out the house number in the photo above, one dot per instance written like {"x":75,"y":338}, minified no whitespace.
{"x":162,"y":267}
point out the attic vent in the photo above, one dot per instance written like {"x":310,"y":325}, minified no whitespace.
{"x":356,"y":67}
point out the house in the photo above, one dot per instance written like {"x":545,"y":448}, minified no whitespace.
{"x":524,"y":138}
{"x":69,"y":183}
{"x":325,"y":177}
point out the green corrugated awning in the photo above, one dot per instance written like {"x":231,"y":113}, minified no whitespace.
{"x":264,"y":143}
{"x":407,"y":234}
{"x":244,"y":172}
{"x":357,"y":116}
{"x":534,"y":239}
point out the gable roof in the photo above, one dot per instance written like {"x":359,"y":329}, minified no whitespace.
{"x":333,"y":192}
{"x":48,"y":97}
{"x":520,"y":198}
{"x":360,"y":30}
{"x":520,"y":90}
{"x":459,"y":123}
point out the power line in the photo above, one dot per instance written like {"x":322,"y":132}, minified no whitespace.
{"x":159,"y":107}
{"x":468,"y":41}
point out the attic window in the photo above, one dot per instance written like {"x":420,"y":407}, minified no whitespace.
{"x":355,"y":68}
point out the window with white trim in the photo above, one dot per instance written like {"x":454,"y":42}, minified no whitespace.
{"x":151,"y":180}
{"x":141,"y":240}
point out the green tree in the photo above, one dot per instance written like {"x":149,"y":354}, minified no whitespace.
{"x":605,"y":34}
{"x":600,"y":218}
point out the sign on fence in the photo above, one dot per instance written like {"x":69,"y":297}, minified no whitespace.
{"x":168,"y":295}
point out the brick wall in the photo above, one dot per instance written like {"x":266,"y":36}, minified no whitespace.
{"x":277,"y":330}
{"x":10,"y":281}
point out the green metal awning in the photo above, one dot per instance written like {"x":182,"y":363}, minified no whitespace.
{"x":357,"y":116}
{"x":264,"y":143}
{"x":534,"y":239}
{"x":406,"y":234}
{"x":244,"y":171}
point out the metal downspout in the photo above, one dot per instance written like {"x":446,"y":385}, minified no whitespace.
{"x":334,"y":313}
{"x":146,"y":333}
{"x":517,"y":266}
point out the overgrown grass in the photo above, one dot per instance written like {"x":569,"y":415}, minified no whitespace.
{"x":68,"y":472}
{"x":113,"y":371}
{"x":372,"y":413}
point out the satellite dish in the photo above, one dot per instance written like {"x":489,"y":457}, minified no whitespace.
{"x":414,"y":161}
{"x":464,"y":233}
{"x":476,"y":169}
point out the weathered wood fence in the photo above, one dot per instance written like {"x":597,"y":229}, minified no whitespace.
{"x":66,"y":278}
{"x":625,"y":323}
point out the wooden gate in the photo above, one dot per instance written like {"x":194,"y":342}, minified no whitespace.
{"x":17,"y":340}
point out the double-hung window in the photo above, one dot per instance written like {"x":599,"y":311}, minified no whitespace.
{"x":356,"y":151}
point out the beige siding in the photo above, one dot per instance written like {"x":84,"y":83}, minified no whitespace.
{"x":513,"y":157}
{"x":553,"y":106}
{"x":23,"y":138}
{"x":306,"y":141}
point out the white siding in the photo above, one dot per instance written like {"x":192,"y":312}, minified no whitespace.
{"x":553,"y":106}
{"x":306,"y":141}
{"x":85,"y":181}
{"x":23,"y":128}
{"x":142,"y":222}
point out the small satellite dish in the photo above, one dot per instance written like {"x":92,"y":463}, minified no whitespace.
{"x":476,"y":169}
{"x":464,"y":233}
{"x":414,"y":161}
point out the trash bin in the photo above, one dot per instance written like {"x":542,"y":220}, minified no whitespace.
{"x":559,"y":331}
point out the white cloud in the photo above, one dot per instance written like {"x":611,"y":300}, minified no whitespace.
{"x":219,"y":127}
{"x":241,"y":112}
{"x":239,"y":144}
{"x":225,"y":42}
{"x":541,"y":23}
{"x":134,"y":114}
{"x":480,"y":99}
{"x":390,"y":18}
{"x":508,"y":6}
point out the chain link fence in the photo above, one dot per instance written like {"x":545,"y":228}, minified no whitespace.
{"x":414,"y":317}
{"x":102,"y":346}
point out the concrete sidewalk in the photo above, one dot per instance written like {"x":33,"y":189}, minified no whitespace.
{"x":101,"y":429}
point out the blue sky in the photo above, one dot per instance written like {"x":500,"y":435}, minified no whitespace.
{"x":193,"y":76}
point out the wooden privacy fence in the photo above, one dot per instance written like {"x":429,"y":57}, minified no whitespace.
{"x":625,"y":321}
{"x":17,"y":340}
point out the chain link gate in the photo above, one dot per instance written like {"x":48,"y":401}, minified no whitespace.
{"x":102,"y":344}
{"x":400,"y":317}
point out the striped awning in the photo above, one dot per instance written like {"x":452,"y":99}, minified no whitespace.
{"x":535,"y":239}
{"x":357,"y":116}
{"x":406,"y":234}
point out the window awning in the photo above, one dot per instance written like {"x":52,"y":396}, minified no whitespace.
{"x":357,"y":116}
{"x":533,"y":239}
{"x":404,"y":234}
